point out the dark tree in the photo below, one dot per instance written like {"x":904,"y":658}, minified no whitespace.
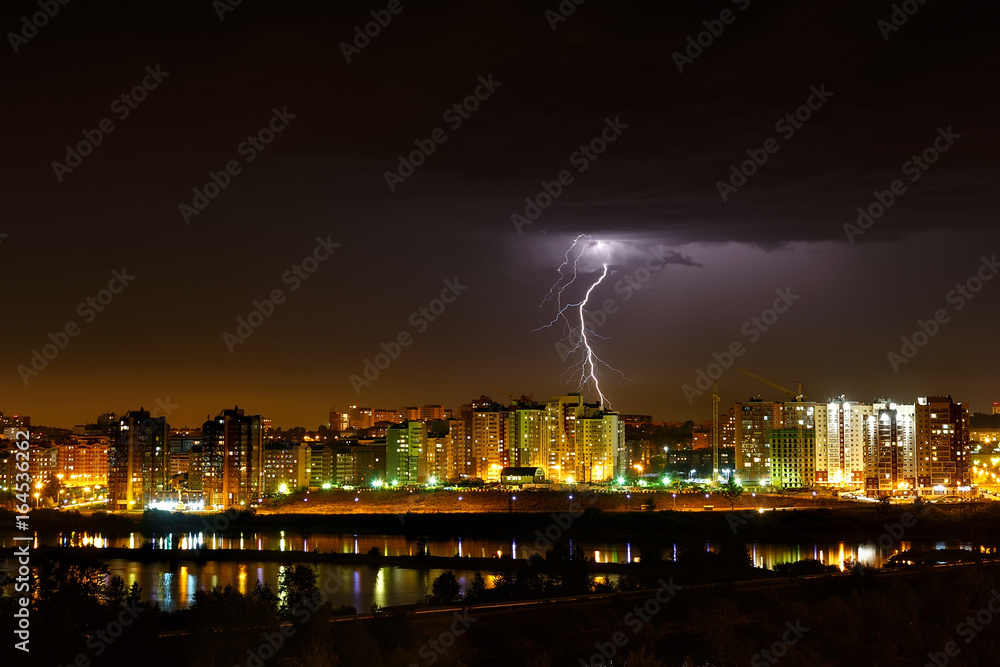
{"x":446,"y":588}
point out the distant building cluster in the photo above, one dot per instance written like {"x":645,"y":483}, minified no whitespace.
{"x":136,"y":460}
{"x":571,"y":441}
{"x":882,"y":448}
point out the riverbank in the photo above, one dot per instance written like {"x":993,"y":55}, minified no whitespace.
{"x":868,"y":522}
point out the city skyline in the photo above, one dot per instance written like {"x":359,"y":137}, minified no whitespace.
{"x":165,"y":407}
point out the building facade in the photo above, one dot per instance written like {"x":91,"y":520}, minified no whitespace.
{"x":138,"y":453}
{"x":232,"y":459}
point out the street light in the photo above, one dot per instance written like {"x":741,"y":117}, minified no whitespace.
{"x":628,"y":497}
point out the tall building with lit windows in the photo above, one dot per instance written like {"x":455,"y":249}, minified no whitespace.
{"x":138,"y":451}
{"x":232,"y":459}
{"x":404,"y":453}
{"x":600,"y":439}
{"x":285,"y":466}
{"x":752,"y":423}
{"x":562,"y":412}
{"x":462,"y":457}
{"x":360,"y":418}
{"x":840,"y":442}
{"x":942,"y":445}
{"x":527,"y":432}
{"x":429,"y":412}
{"x":793,"y":457}
{"x":890,"y":450}
{"x":490,"y":441}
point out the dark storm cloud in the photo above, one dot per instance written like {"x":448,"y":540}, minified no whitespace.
{"x":655,"y":184}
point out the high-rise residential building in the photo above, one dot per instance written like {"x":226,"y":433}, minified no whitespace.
{"x":438,"y":455}
{"x":890,"y":450}
{"x":285,"y":466}
{"x":840,"y":442}
{"x":753,"y":420}
{"x":489,"y":441}
{"x":359,"y":418}
{"x":322,"y":465}
{"x":83,"y":460}
{"x":429,"y":412}
{"x":339,"y":421}
{"x":404,"y":447}
{"x":358,"y":464}
{"x":942,"y":447}
{"x":138,"y":453}
{"x":43,"y":462}
{"x":407,"y":413}
{"x":600,"y":439}
{"x":996,"y":408}
{"x":232,"y":459}
{"x":793,"y":457}
{"x":528,"y":436}
{"x":385,"y":415}
{"x":562,"y":412}
{"x":463,"y":463}
{"x":17,"y":421}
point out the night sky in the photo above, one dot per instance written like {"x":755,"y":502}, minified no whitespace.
{"x":653,"y":192}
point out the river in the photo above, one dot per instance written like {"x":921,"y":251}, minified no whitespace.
{"x":173,"y":584}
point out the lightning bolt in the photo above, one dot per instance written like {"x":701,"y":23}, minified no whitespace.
{"x":587,"y":367}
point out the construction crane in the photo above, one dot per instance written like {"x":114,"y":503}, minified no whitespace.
{"x":514,"y":399}
{"x":797,"y":395}
{"x":715,"y":433}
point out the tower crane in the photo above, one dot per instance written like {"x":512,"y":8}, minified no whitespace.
{"x":799,"y":397}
